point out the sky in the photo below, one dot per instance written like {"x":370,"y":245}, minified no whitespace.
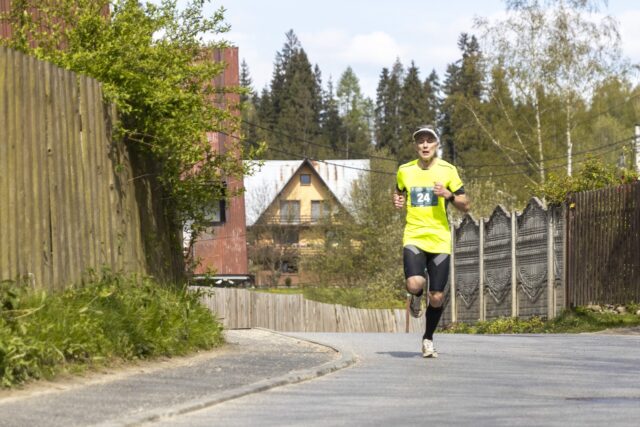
{"x":370,"y":34}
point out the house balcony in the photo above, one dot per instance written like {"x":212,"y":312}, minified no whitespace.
{"x":300,"y":220}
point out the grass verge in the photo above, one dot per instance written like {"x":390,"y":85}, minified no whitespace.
{"x":112,"y":318}
{"x":351,"y":297}
{"x":580,"y":319}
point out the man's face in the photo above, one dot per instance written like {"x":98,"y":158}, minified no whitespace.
{"x":426,"y":146}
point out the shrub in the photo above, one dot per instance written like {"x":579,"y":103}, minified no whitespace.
{"x":113,"y":317}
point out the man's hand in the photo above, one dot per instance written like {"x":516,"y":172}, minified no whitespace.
{"x":440,"y":190}
{"x":398,"y":200}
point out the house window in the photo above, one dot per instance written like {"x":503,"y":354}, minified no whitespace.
{"x":290,"y":211}
{"x":288,"y":266}
{"x":319,"y":209}
{"x":305,"y":179}
{"x":286,"y":236}
{"x":215,"y":214}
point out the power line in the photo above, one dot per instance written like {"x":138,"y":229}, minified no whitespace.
{"x":550,"y":159}
{"x":298,"y":156}
{"x":590,"y":116}
{"x":534,"y":169}
{"x":392,"y":173}
{"x":295,"y":138}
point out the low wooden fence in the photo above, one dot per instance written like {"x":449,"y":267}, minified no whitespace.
{"x":240,"y":308}
{"x":603,"y":246}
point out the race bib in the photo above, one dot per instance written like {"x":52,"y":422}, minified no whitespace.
{"x":423,"y":196}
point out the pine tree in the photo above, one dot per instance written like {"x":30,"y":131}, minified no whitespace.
{"x":248,"y":105}
{"x":356,"y":135}
{"x":381,"y":133}
{"x":463,"y":90}
{"x":387,"y":110}
{"x":299,"y":117}
{"x":245,"y":82}
{"x":431,"y":89}
{"x":330,"y":121}
{"x":412,"y":111}
{"x":289,"y":113}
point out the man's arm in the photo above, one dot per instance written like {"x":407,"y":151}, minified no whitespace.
{"x":460,"y":201}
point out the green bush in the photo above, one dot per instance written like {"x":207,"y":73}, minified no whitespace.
{"x":593,"y":175}
{"x":579,"y":319}
{"x":111,"y":318}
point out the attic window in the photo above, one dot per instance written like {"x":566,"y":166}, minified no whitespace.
{"x":305,"y":179}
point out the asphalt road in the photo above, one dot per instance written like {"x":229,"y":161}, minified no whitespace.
{"x":268,"y":379}
{"x":508,"y":380}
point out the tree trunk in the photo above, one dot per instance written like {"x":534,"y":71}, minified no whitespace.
{"x":539,"y":136}
{"x":569,"y":143}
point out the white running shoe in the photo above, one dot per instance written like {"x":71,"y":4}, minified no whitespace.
{"x":427,"y":349}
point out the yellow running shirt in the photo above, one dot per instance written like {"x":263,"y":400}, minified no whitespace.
{"x":427,"y":224}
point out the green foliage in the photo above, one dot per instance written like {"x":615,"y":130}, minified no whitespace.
{"x":575,"y":320}
{"x":594,"y":174}
{"x":354,"y":112}
{"x":112,"y":317}
{"x":354,"y":297}
{"x":503,"y":325}
{"x":363,"y":248}
{"x":156,"y":67}
{"x":387,"y":118}
{"x":288,"y":113}
{"x":463,"y":87}
{"x":485,"y":196}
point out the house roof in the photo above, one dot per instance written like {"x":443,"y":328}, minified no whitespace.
{"x":270,"y":178}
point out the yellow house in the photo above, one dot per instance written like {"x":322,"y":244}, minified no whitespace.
{"x":286,"y":202}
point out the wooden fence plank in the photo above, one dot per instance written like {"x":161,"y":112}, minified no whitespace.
{"x":5,"y":141}
{"x":42,"y":255}
{"x":25,"y":201}
{"x":76,"y":244}
{"x":13,"y":164}
{"x":67,"y":207}
{"x":602,"y":260}
{"x":88,"y":170}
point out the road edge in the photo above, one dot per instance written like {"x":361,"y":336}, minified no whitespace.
{"x":346,"y":359}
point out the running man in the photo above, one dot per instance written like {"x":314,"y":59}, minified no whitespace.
{"x":428,"y":185}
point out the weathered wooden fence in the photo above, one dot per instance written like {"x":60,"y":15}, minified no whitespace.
{"x":67,"y":196}
{"x":603,"y":246}
{"x":240,"y":308}
{"x":507,"y":265}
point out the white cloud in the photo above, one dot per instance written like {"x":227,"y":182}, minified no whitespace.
{"x":630,"y":33}
{"x":376,"y":48}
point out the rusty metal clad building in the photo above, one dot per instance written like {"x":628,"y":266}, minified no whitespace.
{"x":37,"y":15}
{"x":5,"y":28}
{"x":222,"y":250}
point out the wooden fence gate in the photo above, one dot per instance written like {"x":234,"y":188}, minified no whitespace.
{"x":603,"y":246}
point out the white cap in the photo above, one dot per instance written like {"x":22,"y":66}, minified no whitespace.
{"x":426,"y":129}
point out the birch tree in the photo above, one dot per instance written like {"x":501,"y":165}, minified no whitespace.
{"x":560,"y":48}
